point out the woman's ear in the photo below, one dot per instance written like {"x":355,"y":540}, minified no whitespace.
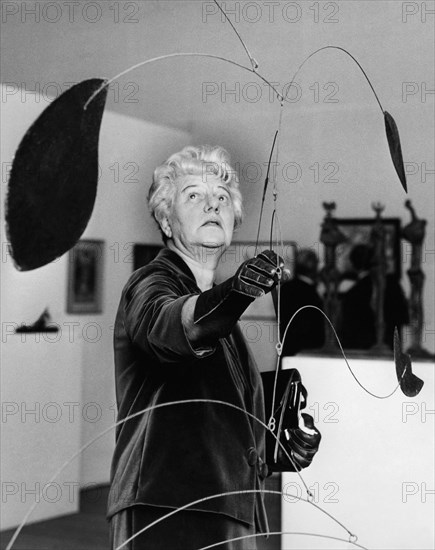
{"x":166,"y":227}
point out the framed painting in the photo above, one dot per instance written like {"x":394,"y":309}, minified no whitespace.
{"x":358,"y":231}
{"x":85,"y":277}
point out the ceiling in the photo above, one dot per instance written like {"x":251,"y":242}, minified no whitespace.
{"x":46,"y":47}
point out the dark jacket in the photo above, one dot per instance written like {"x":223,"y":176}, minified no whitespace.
{"x":173,"y":455}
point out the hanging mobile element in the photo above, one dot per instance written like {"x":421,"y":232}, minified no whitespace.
{"x":352,"y":537}
{"x":266,"y":182}
{"x":54,"y":177}
{"x":409,"y":383}
{"x":395,"y":148}
{"x":390,"y":124}
{"x":253,"y":61}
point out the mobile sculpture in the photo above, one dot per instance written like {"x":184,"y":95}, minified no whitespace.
{"x":51,"y":196}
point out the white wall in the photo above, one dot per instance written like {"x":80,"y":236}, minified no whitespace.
{"x":76,"y":365}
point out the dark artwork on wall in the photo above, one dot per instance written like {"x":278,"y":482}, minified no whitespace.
{"x":358,"y":231}
{"x":85,"y":277}
{"x":144,"y":253}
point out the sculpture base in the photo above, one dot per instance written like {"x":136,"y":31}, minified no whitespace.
{"x":350,"y":353}
{"x":417,"y":352}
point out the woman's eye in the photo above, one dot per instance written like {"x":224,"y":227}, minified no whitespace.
{"x":192,"y":196}
{"x":223,"y":198}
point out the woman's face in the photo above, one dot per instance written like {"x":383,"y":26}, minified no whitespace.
{"x":202,"y":214}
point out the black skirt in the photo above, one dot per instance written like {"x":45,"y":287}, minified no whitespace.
{"x":185,"y":530}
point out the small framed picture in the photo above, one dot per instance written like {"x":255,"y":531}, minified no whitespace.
{"x":85,"y":277}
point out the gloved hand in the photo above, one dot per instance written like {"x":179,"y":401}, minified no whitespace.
{"x":217,"y":310}
{"x":257,"y":276}
{"x":302,"y":442}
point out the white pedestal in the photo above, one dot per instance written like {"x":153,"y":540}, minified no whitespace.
{"x":374,"y":470}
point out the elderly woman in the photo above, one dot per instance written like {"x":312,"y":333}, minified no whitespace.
{"x":176,"y":338}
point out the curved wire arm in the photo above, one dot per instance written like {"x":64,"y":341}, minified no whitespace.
{"x":285,"y":533}
{"x":352,"y":537}
{"x":284,"y":98}
{"x":251,"y":59}
{"x":134,"y":415}
{"x":347,"y":53}
{"x":342,"y":351}
{"x":266,"y":181}
{"x":180,"y":54}
{"x":280,"y":96}
{"x":279,"y":345}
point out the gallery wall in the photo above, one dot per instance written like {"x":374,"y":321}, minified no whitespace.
{"x":58,"y":388}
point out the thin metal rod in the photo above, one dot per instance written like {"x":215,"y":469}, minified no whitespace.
{"x":134,"y":415}
{"x":278,"y":308}
{"x":180,"y":54}
{"x":230,"y":493}
{"x":347,"y":541}
{"x":342,"y":351}
{"x":248,"y":53}
{"x":347,"y":53}
{"x":266,"y":181}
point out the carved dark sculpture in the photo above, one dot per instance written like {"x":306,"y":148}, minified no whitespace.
{"x":379,"y":279}
{"x":331,"y":237}
{"x":414,"y":233}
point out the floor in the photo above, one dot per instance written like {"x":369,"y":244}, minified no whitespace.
{"x":88,"y":530}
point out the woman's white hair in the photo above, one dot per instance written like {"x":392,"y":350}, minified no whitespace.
{"x":203,"y":161}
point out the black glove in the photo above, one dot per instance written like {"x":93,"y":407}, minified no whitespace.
{"x":302,"y":444}
{"x":217,"y":310}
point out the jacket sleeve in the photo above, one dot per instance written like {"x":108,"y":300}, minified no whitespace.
{"x":153,"y":318}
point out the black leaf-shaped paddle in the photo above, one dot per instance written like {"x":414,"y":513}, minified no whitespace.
{"x":395,"y":148}
{"x":409,"y":383}
{"x":390,"y":124}
{"x":54,"y":177}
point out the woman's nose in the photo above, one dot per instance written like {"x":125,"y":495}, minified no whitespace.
{"x":211,"y":203}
